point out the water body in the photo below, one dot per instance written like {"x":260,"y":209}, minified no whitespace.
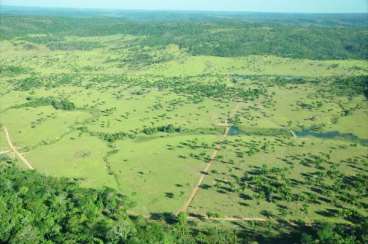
{"x":233,"y":131}
{"x":331,"y":135}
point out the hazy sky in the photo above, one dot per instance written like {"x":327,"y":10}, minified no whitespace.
{"x":228,"y":5}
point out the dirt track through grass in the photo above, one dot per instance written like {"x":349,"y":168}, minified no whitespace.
{"x":204,"y":172}
{"x":230,"y":219}
{"x":12,"y":148}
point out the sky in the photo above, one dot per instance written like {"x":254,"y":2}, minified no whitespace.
{"x":308,"y":6}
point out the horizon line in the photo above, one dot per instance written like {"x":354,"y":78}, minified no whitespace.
{"x":176,"y":10}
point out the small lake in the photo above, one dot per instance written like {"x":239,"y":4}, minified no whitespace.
{"x":331,"y":135}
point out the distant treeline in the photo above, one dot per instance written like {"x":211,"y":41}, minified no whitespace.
{"x":202,"y":36}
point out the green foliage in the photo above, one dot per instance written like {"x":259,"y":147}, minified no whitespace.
{"x":268,"y":183}
{"x":28,"y":83}
{"x":112,"y":137}
{"x":198,"y":91}
{"x":352,"y":86}
{"x":56,"y":103}
{"x":165,"y":129}
{"x":62,"y":104}
{"x":326,"y":233}
{"x":34,"y":208}
{"x":12,"y":70}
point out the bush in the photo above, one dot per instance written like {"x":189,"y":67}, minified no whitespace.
{"x":56,"y":103}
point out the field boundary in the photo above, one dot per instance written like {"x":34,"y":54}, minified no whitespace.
{"x":15,"y":151}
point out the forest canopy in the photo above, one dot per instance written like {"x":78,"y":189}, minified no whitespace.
{"x":226,"y":36}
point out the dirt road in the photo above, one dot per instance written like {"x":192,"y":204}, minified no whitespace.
{"x":199,"y":183}
{"x":204,"y":172}
{"x":13,"y":149}
{"x":230,"y":219}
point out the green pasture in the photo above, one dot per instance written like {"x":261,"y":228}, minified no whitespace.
{"x":221,"y":196}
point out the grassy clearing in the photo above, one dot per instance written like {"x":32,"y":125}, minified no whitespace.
{"x":74,"y":156}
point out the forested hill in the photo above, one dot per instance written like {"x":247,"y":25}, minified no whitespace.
{"x":215,"y":34}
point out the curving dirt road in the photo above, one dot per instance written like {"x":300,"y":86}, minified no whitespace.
{"x":13,"y":149}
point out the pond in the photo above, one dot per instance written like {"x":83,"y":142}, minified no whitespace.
{"x":331,"y":135}
{"x":233,"y":131}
